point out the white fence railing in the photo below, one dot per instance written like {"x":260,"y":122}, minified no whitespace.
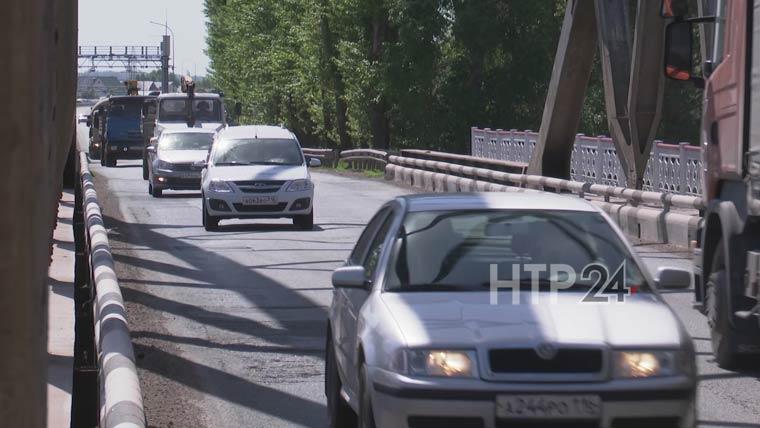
{"x":672,"y":168}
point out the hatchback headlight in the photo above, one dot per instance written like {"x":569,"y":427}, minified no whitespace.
{"x":219,"y":186}
{"x":438,"y":363}
{"x":644,"y":364}
{"x":300,"y":185}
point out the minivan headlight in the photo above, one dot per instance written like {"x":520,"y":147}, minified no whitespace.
{"x":219,"y":186}
{"x":438,"y":363}
{"x":645,"y":364}
{"x":300,"y":185}
{"x":160,"y":164}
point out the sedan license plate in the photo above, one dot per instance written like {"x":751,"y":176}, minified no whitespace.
{"x":548,"y":407}
{"x":260,"y":200}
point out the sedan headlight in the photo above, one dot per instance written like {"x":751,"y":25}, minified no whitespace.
{"x":219,"y":186}
{"x":300,"y":185}
{"x":160,"y":164}
{"x":439,"y":363}
{"x":643,"y":364}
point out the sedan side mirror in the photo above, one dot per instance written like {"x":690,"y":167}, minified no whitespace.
{"x":314,"y":162}
{"x":671,"y":278}
{"x":350,"y":277}
{"x":150,"y":149}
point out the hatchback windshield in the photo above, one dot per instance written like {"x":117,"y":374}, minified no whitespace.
{"x":456,"y":250}
{"x":258,"y":151}
{"x":186,"y":141}
{"x":174,"y":110}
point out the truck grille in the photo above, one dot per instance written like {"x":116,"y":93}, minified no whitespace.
{"x":260,"y":186}
{"x":568,"y":360}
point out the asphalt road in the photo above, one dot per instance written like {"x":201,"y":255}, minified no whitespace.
{"x":229,"y":326}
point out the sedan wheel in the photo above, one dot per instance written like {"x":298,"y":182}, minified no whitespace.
{"x":339,"y":414}
{"x":366,"y":415}
{"x":210,"y":223}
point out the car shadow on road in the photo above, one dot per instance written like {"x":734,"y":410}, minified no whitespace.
{"x":195,"y":195}
{"x":265,"y":227}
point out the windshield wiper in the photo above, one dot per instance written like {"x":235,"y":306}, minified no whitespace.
{"x":433,"y":287}
{"x":232,"y":163}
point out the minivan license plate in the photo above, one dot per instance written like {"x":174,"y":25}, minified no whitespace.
{"x":548,"y":407}
{"x":260,"y":200}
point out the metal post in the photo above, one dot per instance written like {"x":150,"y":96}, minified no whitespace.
{"x":165,"y":54}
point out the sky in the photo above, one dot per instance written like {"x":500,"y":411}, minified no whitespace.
{"x":110,"y":22}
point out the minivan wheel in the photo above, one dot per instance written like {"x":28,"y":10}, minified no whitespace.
{"x":339,"y":414}
{"x":145,"y":169}
{"x":304,"y":222}
{"x":366,"y":415}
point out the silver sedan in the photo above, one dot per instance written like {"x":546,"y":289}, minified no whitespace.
{"x":503,"y":309}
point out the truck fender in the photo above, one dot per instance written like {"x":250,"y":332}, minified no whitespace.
{"x":722,"y":224}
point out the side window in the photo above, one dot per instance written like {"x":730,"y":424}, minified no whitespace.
{"x":376,"y":248}
{"x":357,"y":255}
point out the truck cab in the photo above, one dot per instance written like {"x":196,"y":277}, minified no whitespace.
{"x":202,"y":110}
{"x":124,"y":130}
{"x":727,"y":254}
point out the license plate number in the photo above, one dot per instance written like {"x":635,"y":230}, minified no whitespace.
{"x":548,"y":407}
{"x":260,"y":200}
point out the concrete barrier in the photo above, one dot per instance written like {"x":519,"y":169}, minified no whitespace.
{"x":121,"y":402}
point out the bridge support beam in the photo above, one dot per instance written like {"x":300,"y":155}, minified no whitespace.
{"x":567,"y":89}
{"x":38,"y":48}
{"x":633,"y":84}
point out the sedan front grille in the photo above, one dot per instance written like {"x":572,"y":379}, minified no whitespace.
{"x":566,"y":360}
{"x":259,"y":186}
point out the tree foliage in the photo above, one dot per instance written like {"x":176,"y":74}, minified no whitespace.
{"x":392,"y":73}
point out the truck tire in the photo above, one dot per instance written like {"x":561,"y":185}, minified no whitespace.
{"x":722,"y":334}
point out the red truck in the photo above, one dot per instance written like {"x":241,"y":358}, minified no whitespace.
{"x":727,"y":254}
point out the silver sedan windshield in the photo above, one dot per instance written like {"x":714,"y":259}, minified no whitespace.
{"x":456,"y":250}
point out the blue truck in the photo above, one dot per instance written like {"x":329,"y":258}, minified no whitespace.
{"x":123,"y":137}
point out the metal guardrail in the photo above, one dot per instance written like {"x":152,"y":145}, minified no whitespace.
{"x":121,"y":402}
{"x":672,"y":168}
{"x":514,"y":167}
{"x":365,"y":158}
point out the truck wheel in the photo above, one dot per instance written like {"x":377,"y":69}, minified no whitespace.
{"x":722,"y":334}
{"x":94,"y":154}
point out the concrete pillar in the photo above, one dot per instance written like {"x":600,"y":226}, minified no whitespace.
{"x":38,"y":59}
{"x":567,"y":89}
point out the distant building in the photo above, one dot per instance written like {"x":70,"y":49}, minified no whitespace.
{"x":99,"y":86}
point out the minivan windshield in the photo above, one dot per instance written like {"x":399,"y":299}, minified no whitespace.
{"x":186,"y":141}
{"x":258,"y":151}
{"x":456,"y":250}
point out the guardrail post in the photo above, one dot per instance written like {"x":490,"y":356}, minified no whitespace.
{"x":85,"y":394}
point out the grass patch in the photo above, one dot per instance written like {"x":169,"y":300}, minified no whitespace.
{"x":370,"y":173}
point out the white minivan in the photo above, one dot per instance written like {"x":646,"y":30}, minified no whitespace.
{"x":257,"y":172}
